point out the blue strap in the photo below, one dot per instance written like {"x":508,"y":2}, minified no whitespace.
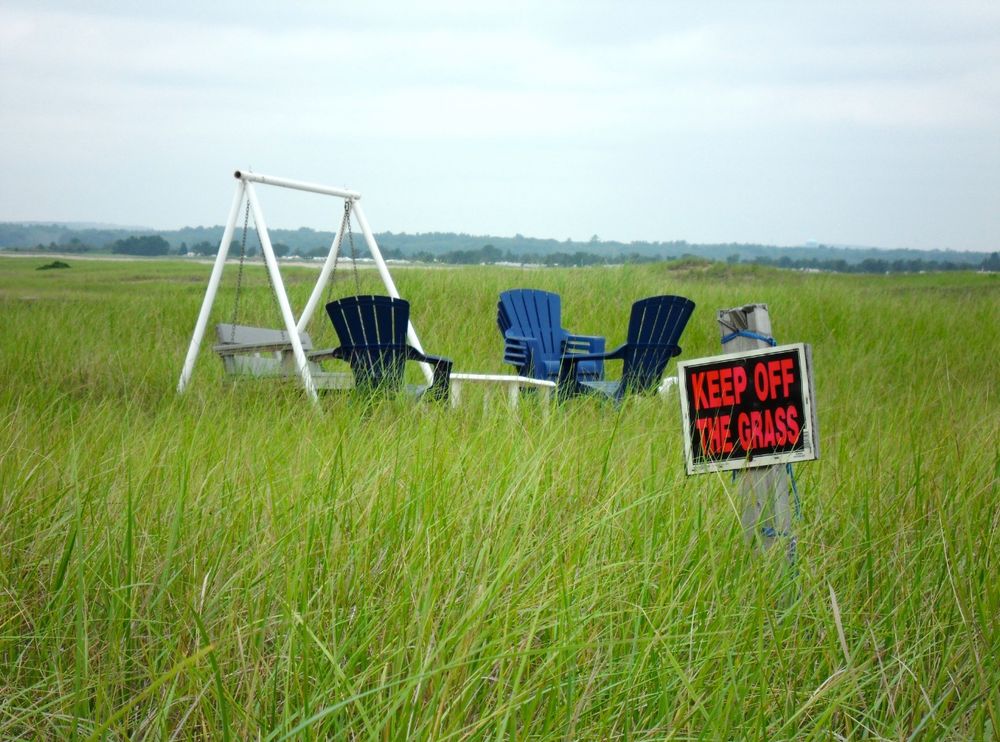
{"x":749,"y":334}
{"x":769,"y":532}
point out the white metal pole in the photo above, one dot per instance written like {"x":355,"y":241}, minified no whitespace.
{"x":324,"y":278}
{"x":296,"y":184}
{"x":279,"y":289}
{"x":213,"y":288}
{"x":383,"y":270}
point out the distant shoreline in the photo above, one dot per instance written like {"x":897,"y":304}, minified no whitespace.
{"x":362,"y":264}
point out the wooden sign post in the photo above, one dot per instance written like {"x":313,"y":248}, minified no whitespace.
{"x":751,"y":411}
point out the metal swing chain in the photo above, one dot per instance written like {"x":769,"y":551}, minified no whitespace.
{"x":350,"y":238}
{"x":336,"y":258}
{"x":267,"y":272}
{"x":345,"y":223}
{"x":239,"y":274}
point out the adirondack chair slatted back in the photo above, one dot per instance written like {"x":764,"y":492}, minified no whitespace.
{"x":372,"y":332}
{"x":654,"y":328}
{"x":533,"y":313}
{"x":659,"y":319}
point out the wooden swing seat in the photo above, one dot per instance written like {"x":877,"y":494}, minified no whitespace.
{"x":261,"y":352}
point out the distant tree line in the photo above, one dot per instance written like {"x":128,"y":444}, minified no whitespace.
{"x":464,"y":249}
{"x":876,"y":265}
{"x":249,"y":250}
{"x":992,"y":263}
{"x":489,"y":254}
{"x":148,"y":245}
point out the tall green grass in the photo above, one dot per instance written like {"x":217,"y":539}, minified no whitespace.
{"x":234,"y":563}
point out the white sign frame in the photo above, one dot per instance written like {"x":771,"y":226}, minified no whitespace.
{"x":809,"y":434}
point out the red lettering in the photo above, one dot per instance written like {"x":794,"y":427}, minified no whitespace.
{"x":760,"y":381}
{"x":787,"y":375}
{"x":715,"y":435}
{"x":703,"y":424}
{"x":793,"y":424}
{"x":726,"y":386}
{"x":763,"y":430}
{"x":756,"y":430}
{"x":774,"y":376}
{"x":698,"y":387}
{"x":712,"y":381}
{"x":739,"y":383}
{"x":781,"y":432}
{"x":768,"y":430}
{"x":743,"y":431}
{"x":722,"y":441}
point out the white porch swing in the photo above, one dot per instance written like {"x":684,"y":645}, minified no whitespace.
{"x":242,"y":347}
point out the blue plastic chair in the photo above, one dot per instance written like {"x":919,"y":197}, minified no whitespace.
{"x":654,"y":328}
{"x":372,"y":333}
{"x":535,"y":341}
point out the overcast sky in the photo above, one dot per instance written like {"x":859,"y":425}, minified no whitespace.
{"x":865,"y":123}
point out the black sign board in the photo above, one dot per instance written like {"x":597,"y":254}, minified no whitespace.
{"x":753,"y":408}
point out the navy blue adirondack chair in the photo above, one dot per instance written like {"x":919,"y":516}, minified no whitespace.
{"x":535,"y":341}
{"x":654,"y":328}
{"x":372,"y":332}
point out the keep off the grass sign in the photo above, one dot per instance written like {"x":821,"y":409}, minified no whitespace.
{"x":753,"y":408}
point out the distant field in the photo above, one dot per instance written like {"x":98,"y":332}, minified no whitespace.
{"x":233,"y":563}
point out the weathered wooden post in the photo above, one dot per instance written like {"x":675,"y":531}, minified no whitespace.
{"x":763,"y":491}
{"x":751,"y":411}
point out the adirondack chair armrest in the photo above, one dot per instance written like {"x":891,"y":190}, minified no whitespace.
{"x":509,"y":337}
{"x":675,"y":350}
{"x":569,"y":361}
{"x":592,"y":370}
{"x":585,"y":343}
{"x":346,"y":352}
{"x":441,"y":366}
{"x":328,"y":353}
{"x":567,"y":384}
{"x":611,"y":355}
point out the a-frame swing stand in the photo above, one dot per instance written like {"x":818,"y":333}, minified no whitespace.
{"x":291,"y":326}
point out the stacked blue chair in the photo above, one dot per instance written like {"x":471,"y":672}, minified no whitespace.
{"x":535,"y":341}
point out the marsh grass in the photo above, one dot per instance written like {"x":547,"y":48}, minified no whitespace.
{"x":232,"y":563}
